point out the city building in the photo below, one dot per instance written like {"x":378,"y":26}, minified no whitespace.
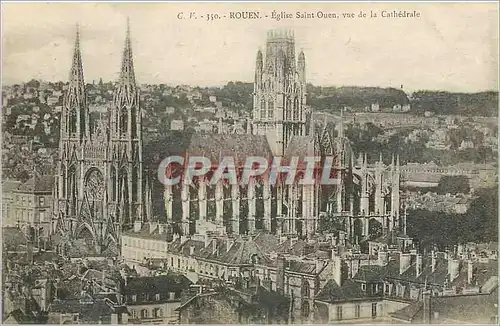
{"x":29,"y":204}
{"x":177,"y":125}
{"x":153,"y":300}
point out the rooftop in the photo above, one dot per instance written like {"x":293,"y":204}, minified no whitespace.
{"x":37,"y":184}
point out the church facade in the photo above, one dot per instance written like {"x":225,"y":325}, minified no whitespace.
{"x":99,"y":186}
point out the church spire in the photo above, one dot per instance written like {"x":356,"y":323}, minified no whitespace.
{"x":301,"y":65}
{"x":126,"y":115}
{"x":127,"y":75}
{"x":74,"y":122}
{"x":76,"y":72}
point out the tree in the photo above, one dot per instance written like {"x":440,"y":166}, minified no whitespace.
{"x":453,"y":184}
{"x":479,"y":224}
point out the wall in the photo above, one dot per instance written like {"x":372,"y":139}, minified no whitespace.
{"x":134,"y":249}
{"x":169,"y":315}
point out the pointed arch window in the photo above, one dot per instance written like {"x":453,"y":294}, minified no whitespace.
{"x":72,"y":189}
{"x":270,"y":110}
{"x":262,"y":109}
{"x":133,"y":118}
{"x":72,"y":121}
{"x":296,"y":109}
{"x":113,"y":184}
{"x":63,"y":181}
{"x":123,"y":126}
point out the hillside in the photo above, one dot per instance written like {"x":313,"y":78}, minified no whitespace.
{"x":331,"y":99}
{"x":482,"y":104}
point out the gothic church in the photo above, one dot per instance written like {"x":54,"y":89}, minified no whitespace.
{"x":100,"y":187}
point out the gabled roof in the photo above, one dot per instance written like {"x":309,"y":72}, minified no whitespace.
{"x":90,"y":311}
{"x":237,"y":252}
{"x":293,"y":248}
{"x":332,"y":292}
{"x":17,"y":316}
{"x":216,"y":146}
{"x":36,"y":184}
{"x":10,"y":185}
{"x":477,"y":308}
{"x":370,"y":273}
{"x":156,"y":284}
{"x":303,"y":267}
{"x":408,"y":313}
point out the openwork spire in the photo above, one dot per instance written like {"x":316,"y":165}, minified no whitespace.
{"x":74,"y":103}
{"x":76,"y":72}
{"x":127,"y":75}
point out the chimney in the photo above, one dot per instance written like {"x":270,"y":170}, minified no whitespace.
{"x":162,"y":228}
{"x":183,"y":239}
{"x":427,"y":307}
{"x":293,"y":241}
{"x":152,"y":226}
{"x":191,"y":250}
{"x":319,"y":265}
{"x":383,"y":257}
{"x":404,"y":262}
{"x":114,"y":319}
{"x":125,"y":318}
{"x":137,"y":225}
{"x":460,"y":249}
{"x":229,"y":243}
{"x":207,"y":240}
{"x":418,"y":265}
{"x":341,"y":238}
{"x":280,"y":279}
{"x":470,"y":272}
{"x":453,"y":268}
{"x":214,"y":246}
{"x":433,"y":261}
{"x":336,"y":269}
{"x":29,"y":249}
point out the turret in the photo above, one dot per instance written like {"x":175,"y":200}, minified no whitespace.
{"x":301,"y":67}
{"x":258,"y":71}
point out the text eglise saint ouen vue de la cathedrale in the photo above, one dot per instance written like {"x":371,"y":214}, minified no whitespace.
{"x":406,"y":234}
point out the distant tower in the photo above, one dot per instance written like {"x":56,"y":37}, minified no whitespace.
{"x":99,"y":181}
{"x":279,"y":91}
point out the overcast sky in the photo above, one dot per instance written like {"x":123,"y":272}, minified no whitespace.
{"x":451,"y":47}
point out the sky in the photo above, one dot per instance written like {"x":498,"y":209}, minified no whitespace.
{"x":452,"y":46}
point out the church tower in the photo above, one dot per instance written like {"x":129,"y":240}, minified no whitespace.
{"x":125,"y":126}
{"x":99,"y":181}
{"x":74,"y":131}
{"x":279,"y":91}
